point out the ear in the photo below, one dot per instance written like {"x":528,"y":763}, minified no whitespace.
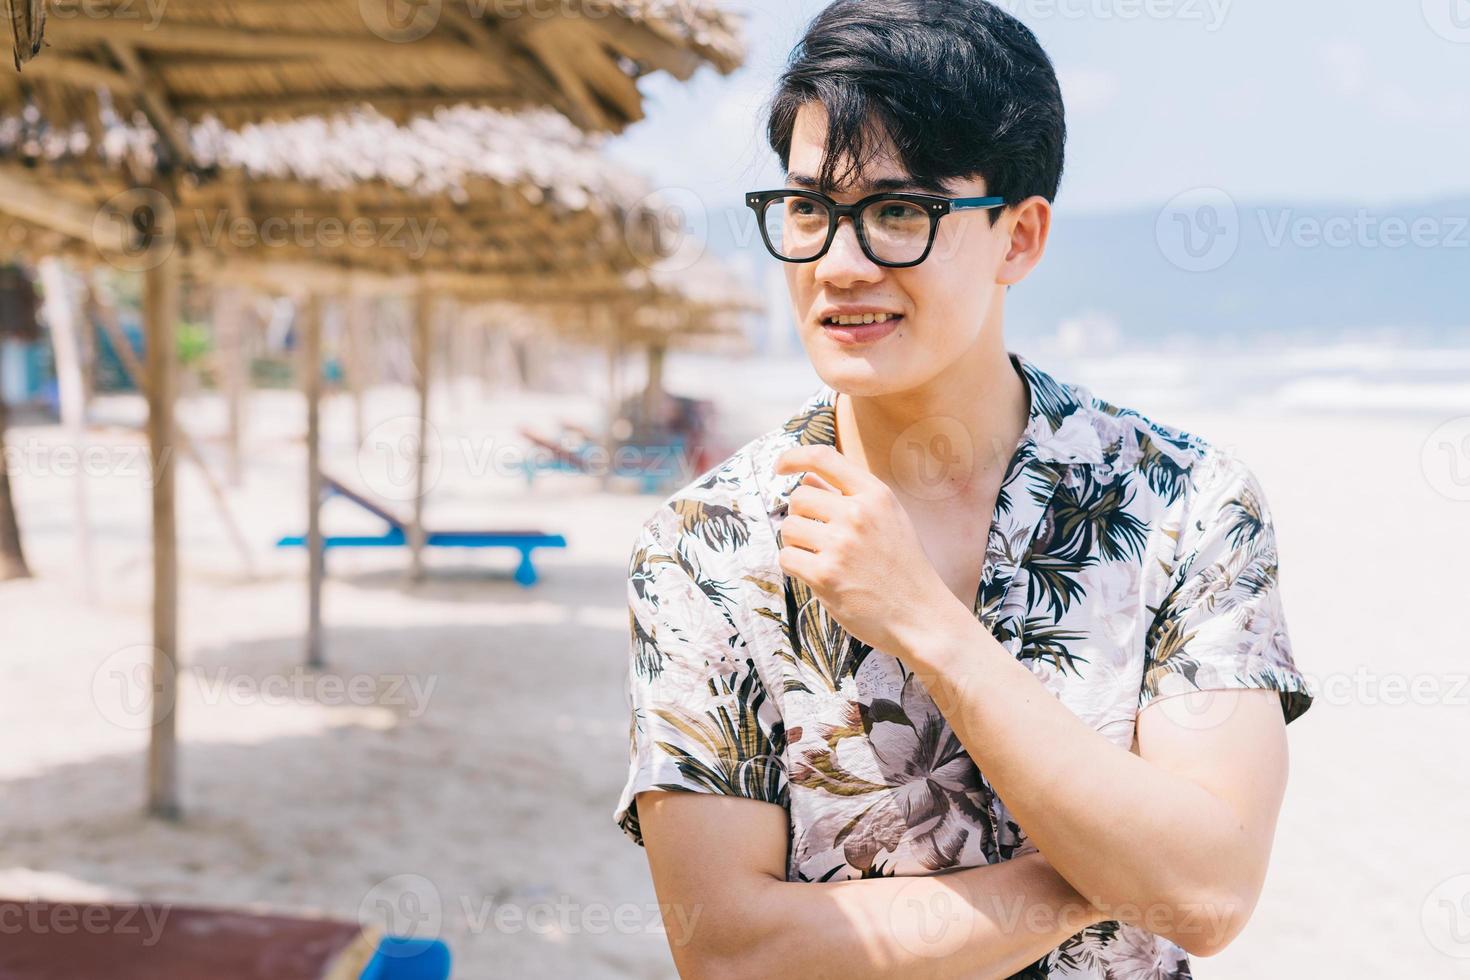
{"x":1027,"y":224}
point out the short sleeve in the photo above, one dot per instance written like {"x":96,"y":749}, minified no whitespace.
{"x":700,"y":719}
{"x":1221,"y":623}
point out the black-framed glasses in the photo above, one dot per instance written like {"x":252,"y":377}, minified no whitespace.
{"x":895,"y":229}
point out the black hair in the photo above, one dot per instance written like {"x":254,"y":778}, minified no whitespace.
{"x":961,"y":87}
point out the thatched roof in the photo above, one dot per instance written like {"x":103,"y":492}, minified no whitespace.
{"x":487,"y":204}
{"x":248,"y":60}
{"x":445,"y":153}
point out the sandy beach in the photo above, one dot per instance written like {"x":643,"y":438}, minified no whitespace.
{"x":459,"y":778}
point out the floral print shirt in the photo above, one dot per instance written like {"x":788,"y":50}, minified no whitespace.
{"x":1127,"y":561}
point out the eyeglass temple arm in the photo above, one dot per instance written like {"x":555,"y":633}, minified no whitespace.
{"x":963,"y":203}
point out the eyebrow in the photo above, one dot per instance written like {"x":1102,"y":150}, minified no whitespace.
{"x":879,"y":186}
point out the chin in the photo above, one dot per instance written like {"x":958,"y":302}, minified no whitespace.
{"x":862,"y":377}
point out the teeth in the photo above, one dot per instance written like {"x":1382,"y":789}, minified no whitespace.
{"x":861,"y":318}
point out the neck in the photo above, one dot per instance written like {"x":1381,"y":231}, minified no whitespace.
{"x":954,"y":434}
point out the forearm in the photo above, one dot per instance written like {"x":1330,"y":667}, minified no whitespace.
{"x":989,"y":921}
{"x":1109,"y":821}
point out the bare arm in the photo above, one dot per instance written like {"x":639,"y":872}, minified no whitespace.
{"x":1176,"y":838}
{"x":719,"y":866}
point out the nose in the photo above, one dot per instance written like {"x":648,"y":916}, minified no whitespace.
{"x":845,"y":264}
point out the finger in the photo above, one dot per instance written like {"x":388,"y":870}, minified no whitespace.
{"x":816,"y":503}
{"x":798,"y":563}
{"x":804,"y":533}
{"x":818,"y":482}
{"x":839,"y":471}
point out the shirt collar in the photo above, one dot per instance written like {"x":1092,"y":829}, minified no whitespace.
{"x":1059,"y":429}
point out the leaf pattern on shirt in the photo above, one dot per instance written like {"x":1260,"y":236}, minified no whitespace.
{"x":1125,"y":561}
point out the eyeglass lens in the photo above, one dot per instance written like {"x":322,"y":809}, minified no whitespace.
{"x":797,"y":227}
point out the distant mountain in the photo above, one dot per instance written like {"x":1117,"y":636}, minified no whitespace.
{"x":1207,"y":268}
{"x":1202,"y":269}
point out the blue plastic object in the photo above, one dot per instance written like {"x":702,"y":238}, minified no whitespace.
{"x":399,"y":958}
{"x":397,"y":535}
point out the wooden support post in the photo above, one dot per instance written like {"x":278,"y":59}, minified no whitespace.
{"x":12,"y":554}
{"x":234,"y":371}
{"x":653,"y":391}
{"x":61,"y":318}
{"x":450,"y":338}
{"x":423,"y":355}
{"x":610,"y":438}
{"x":487,"y":352}
{"x":357,"y":340}
{"x":311,"y":385}
{"x":160,"y":316}
{"x":107,"y":316}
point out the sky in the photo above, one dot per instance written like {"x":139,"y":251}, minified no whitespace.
{"x":1362,"y":101}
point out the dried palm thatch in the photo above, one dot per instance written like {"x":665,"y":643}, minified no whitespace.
{"x":483,"y":204}
{"x":27,"y":26}
{"x":249,"y":60}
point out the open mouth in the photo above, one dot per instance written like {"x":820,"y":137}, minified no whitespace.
{"x":860,"y":328}
{"x":860,"y":319}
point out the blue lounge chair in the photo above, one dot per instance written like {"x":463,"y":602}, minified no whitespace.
{"x":397,"y":535}
{"x":657,"y":472}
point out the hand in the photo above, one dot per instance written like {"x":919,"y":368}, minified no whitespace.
{"x":849,"y":539}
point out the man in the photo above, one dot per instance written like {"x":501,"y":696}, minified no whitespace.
{"x":963,"y":671}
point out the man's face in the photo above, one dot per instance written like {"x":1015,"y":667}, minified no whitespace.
{"x":943,"y":303}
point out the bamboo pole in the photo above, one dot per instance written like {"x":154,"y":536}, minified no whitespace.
{"x":311,"y":383}
{"x":653,"y":391}
{"x":356,"y":341}
{"x":423,"y":327}
{"x":227,"y":314}
{"x":61,"y":317}
{"x":610,"y":439}
{"x":160,"y":315}
{"x":450,"y":340}
{"x":185,"y":442}
{"x":12,"y":553}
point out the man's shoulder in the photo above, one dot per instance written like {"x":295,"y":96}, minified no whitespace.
{"x":1166,"y":457}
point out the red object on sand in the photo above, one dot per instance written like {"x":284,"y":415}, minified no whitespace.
{"x":66,"y":941}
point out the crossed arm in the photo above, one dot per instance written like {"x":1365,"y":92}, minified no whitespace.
{"x":719,"y":870}
{"x":1172,"y":835}
{"x":1174,"y":838}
